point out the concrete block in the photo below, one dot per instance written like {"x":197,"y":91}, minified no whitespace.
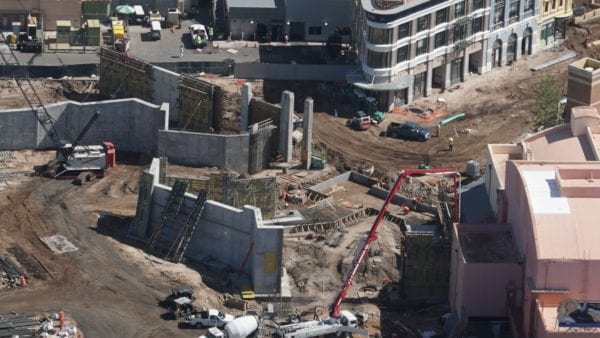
{"x":245,"y":106}
{"x":307,"y":133}
{"x":286,"y":125}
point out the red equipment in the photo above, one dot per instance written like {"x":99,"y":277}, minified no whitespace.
{"x":335,"y":310}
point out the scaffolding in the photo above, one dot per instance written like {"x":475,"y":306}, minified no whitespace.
{"x":197,"y":99}
{"x":167,"y":225}
{"x":184,"y":236}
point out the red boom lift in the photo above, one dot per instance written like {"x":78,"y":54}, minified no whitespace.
{"x":335,"y":310}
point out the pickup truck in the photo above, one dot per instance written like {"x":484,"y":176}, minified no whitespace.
{"x":209,"y":318}
{"x":408,"y":131}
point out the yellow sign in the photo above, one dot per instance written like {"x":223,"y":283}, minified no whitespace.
{"x":270,"y":262}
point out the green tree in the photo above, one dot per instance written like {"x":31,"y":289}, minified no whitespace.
{"x":546,"y":110}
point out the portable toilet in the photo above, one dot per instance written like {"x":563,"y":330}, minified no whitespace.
{"x":63,"y":31}
{"x":92,"y":32}
{"x":16,"y":28}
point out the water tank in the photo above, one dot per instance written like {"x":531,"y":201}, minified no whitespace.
{"x":473,"y":169}
{"x":241,"y":327}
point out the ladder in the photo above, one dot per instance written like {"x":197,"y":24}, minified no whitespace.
{"x":175,"y":254}
{"x":168,"y":218}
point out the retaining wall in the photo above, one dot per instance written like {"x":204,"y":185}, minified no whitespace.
{"x":227,"y":234}
{"x":131,"y":124}
{"x":200,"y":149}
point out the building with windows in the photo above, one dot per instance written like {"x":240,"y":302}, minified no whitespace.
{"x":539,"y":265}
{"x":511,"y":29}
{"x":552,"y":20}
{"x":406,"y":48}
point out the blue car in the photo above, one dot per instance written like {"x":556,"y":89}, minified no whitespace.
{"x":408,"y":131}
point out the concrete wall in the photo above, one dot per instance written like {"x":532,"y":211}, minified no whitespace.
{"x":131,"y":124}
{"x":166,"y":89}
{"x":281,"y":71}
{"x":200,"y":149}
{"x":226,"y":233}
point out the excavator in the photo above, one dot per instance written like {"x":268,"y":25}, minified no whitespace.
{"x":73,"y":159}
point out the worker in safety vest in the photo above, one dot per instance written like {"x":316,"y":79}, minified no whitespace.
{"x":450,"y":144}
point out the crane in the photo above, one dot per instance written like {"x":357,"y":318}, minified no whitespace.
{"x":72,"y":159}
{"x":335,"y":310}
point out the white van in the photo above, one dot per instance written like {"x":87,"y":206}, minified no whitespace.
{"x":155,"y":30}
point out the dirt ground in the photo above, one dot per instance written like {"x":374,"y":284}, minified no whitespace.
{"x":497,"y":107}
{"x":108,"y":286}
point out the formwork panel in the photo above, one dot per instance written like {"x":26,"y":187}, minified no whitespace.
{"x":122,"y":76}
{"x":197,"y":100}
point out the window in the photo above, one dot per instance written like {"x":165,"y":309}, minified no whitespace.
{"x":477,"y":4}
{"x":528,"y":5}
{"x":460,"y":32}
{"x":422,"y":46}
{"x":441,"y":16}
{"x":546,"y":6}
{"x":459,"y":9}
{"x":440,"y":39}
{"x":499,"y":15}
{"x":553,"y":4}
{"x":560,"y":3}
{"x":378,"y":59}
{"x":379,"y":35}
{"x":404,"y":30}
{"x":403,"y":53}
{"x":316,"y":30}
{"x":514,"y":11}
{"x":423,"y":23}
{"x":477,"y":25}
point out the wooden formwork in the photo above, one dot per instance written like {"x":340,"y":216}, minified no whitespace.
{"x":197,"y":99}
{"x":122,"y":76}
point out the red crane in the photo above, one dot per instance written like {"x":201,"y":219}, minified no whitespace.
{"x":335,"y":310}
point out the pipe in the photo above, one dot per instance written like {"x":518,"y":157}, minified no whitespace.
{"x":452,"y":118}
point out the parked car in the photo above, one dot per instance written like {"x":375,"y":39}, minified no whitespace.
{"x":408,"y":131}
{"x":209,"y":318}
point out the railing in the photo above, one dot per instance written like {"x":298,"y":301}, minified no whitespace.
{"x":513,"y":19}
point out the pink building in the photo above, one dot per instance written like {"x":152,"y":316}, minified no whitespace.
{"x":545,"y":248}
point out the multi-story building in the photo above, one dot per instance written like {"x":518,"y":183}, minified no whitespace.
{"x":552,"y":20}
{"x":511,"y":31}
{"x":406,"y":48}
{"x":539,"y":266}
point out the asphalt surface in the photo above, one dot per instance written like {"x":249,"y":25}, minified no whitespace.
{"x":167,"y":49}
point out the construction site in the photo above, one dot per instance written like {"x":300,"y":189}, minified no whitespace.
{"x":143,"y":195}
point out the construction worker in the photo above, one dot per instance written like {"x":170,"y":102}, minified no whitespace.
{"x":439,"y":129}
{"x":210,"y":33}
{"x":181,"y":51}
{"x":450,"y":143}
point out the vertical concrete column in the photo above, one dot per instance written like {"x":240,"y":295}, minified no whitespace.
{"x":447,"y":73}
{"x":465,"y":64}
{"x":245,"y":108}
{"x":429,"y":78}
{"x":286,"y":125}
{"x":307,"y":133}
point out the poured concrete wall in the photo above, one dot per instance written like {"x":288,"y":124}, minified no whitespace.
{"x":165,"y":88}
{"x":200,"y":149}
{"x":226,"y":233}
{"x":131,"y":124}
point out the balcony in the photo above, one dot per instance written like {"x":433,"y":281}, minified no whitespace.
{"x":498,"y":25}
{"x":513,"y":19}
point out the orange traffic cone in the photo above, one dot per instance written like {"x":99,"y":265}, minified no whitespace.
{"x":246,"y":45}
{"x":255,"y":45}
{"x":22,"y":281}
